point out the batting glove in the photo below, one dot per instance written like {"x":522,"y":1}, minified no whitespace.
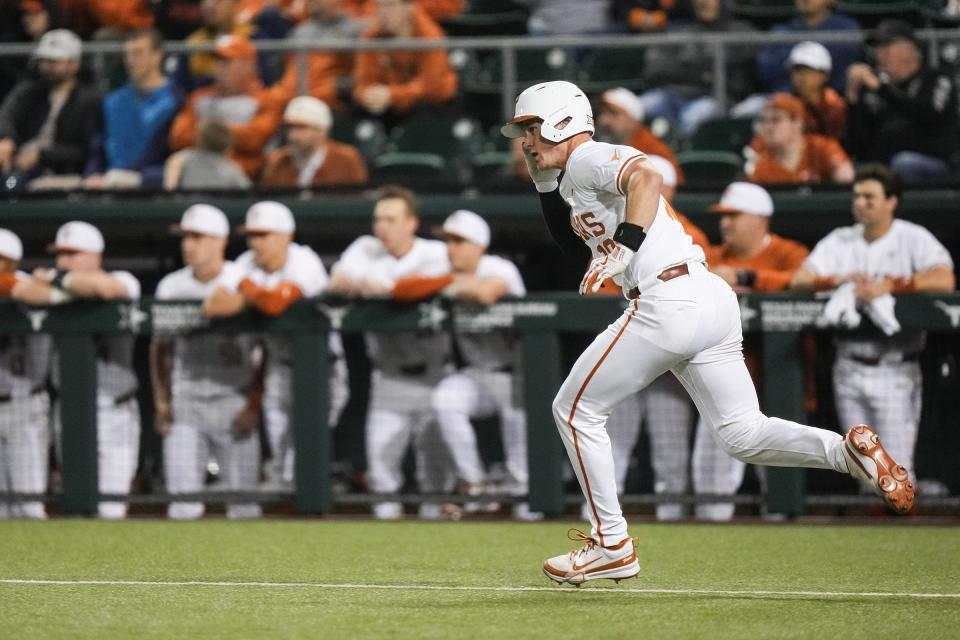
{"x":545,"y":180}
{"x":608,"y":266}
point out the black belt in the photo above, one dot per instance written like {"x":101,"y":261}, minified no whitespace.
{"x":125,"y":398}
{"x":874,"y":361}
{"x":665,"y":276}
{"x":7,"y":397}
{"x":414,"y":369}
{"x":507,"y":368}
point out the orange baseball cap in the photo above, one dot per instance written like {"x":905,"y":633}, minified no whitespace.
{"x":232,"y":46}
{"x":786,"y":103}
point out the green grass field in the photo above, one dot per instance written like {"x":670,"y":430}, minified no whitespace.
{"x":358,"y":579}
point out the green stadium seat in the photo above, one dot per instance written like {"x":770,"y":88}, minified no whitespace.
{"x":723,"y":134}
{"x":363,"y":132}
{"x":488,"y":18}
{"x":533,"y":65}
{"x":401,"y":167}
{"x":604,"y":69}
{"x":445,"y":134}
{"x":488,"y":166}
{"x":710,"y":166}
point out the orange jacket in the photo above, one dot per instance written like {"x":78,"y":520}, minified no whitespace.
{"x":437,"y":9}
{"x":120,"y":14}
{"x":249,"y":136}
{"x":343,"y":166}
{"x":821,"y":157}
{"x":412,"y":76}
{"x":644,"y":140}
{"x":774,"y":265}
{"x":323,"y":69}
{"x":203,"y":65}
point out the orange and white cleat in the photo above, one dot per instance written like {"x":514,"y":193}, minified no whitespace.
{"x":593,"y":562}
{"x":867,"y":460}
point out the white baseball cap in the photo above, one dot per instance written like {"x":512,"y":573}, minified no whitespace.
{"x":666,"y":170}
{"x":469,"y":226}
{"x":268,"y":217}
{"x":308,"y":111}
{"x":745,"y":197}
{"x":58,"y":44}
{"x":77,"y":236}
{"x":204,"y":219}
{"x":10,"y":245}
{"x":625,"y":100}
{"x":810,"y":54}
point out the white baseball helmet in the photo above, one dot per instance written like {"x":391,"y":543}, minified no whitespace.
{"x":562,"y":106}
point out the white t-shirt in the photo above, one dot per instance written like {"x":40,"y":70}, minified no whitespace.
{"x":493,"y":350}
{"x":367,"y":259}
{"x":903,"y":251}
{"x":592,"y":188}
{"x":25,"y":360}
{"x":209,"y":364}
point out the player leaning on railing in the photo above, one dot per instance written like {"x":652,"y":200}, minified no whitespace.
{"x":681,"y":318}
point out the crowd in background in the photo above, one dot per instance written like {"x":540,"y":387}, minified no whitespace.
{"x":227,"y":118}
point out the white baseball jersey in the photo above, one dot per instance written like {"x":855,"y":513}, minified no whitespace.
{"x":592,"y":188}
{"x":115,"y":376}
{"x":903,"y":251}
{"x":210,"y":364}
{"x":25,"y":361}
{"x":302,"y":268}
{"x":493,"y":349}
{"x":367,"y":259}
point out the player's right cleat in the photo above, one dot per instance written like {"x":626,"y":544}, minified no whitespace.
{"x":868,"y":461}
{"x":593,"y":562}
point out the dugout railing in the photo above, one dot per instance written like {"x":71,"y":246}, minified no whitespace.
{"x":539,"y":320}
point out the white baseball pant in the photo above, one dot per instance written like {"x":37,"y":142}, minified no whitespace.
{"x":689,"y":325}
{"x":118,"y":445}
{"x":886,"y":396}
{"x":665,"y":409}
{"x":400,"y":412}
{"x":201,"y":428}
{"x":24,"y":451}
{"x":474,"y":393}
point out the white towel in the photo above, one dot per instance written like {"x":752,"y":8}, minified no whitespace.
{"x":841,"y":308}
{"x":881,"y":312}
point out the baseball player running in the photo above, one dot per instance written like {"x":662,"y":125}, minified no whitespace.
{"x":206,"y":388}
{"x":681,"y":318}
{"x":406,"y":366}
{"x":488,"y":384}
{"x":276,"y":272}
{"x":24,"y":403}
{"x":79,"y":275}
{"x":876,"y":377}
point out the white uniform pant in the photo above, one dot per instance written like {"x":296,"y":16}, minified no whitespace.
{"x":400,"y":413}
{"x":689,"y":325}
{"x":118,"y":445}
{"x":886,"y":396}
{"x":201,"y":429}
{"x":473,"y":393}
{"x":24,"y":451}
{"x":665,"y":408}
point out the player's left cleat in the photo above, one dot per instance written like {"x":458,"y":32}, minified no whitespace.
{"x":868,"y":461}
{"x":593,"y":562}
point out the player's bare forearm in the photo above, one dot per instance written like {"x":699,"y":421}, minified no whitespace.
{"x":807,"y":280}
{"x":95,"y":285}
{"x":939,"y":279}
{"x":222,"y":303}
{"x":642,"y":187}
{"x":483,"y":291}
{"x":31,"y":291}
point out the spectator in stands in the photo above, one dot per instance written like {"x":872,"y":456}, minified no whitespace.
{"x":683,"y":74}
{"x":644,"y":16}
{"x":812,"y":15}
{"x":238,"y":100}
{"x":790,"y":155}
{"x":79,"y":275}
{"x":110,"y":19}
{"x":398,"y":81}
{"x":207,"y":166}
{"x":329,"y":74}
{"x":876,"y":376}
{"x":561,"y":17}
{"x":46,"y":124}
{"x":311,"y":158}
{"x":219,"y":19}
{"x":177,"y":19}
{"x":137,"y":118}
{"x":902,"y":112}
{"x":621,"y":122}
{"x":24,"y":401}
{"x":23,"y":21}
{"x":825,"y":110}
{"x":750,"y":258}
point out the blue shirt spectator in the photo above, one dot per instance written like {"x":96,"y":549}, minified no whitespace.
{"x":814,"y":15}
{"x":137,"y":118}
